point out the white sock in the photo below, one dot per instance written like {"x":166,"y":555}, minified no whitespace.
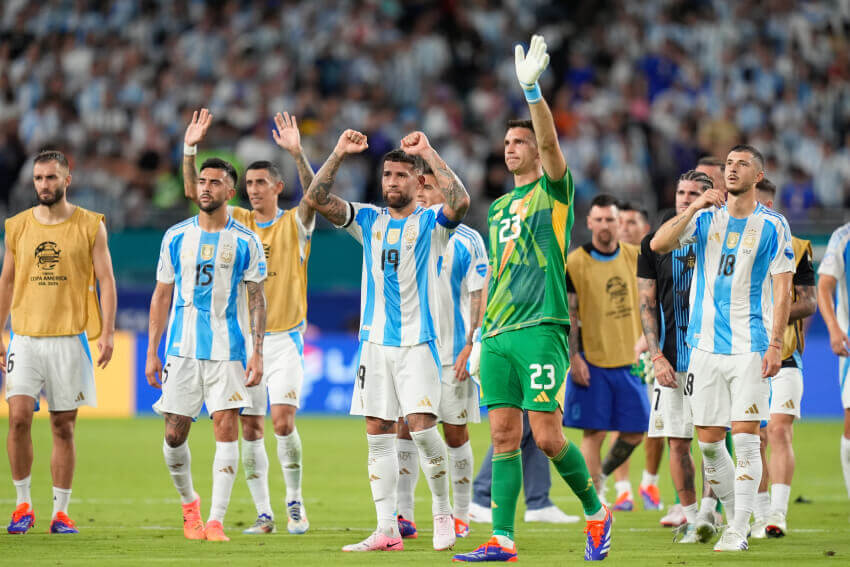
{"x":433,"y":457}
{"x":462,"y":467}
{"x":225,"y":466}
{"x":707,"y":506}
{"x":747,"y":478}
{"x":408,"y":476}
{"x":647,"y":479}
{"x":779,"y":495}
{"x":179,"y":462}
{"x":600,"y":485}
{"x":289,"y":455}
{"x":22,"y":487}
{"x":256,"y":463}
{"x":845,"y":462}
{"x":762,"y":505}
{"x":720,"y":472}
{"x":690,"y":513}
{"x":622,"y":486}
{"x":61,"y":498}
{"x":383,"y":478}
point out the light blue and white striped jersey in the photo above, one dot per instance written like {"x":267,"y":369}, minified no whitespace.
{"x":731,"y":294}
{"x":836,"y":263}
{"x":399,"y":272}
{"x":209,"y":309}
{"x":462,"y":269}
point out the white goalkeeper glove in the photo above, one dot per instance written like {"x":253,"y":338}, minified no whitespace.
{"x":530,"y":66}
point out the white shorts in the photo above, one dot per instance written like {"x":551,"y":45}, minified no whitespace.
{"x":728,"y":387}
{"x":61,"y":366}
{"x":458,"y":400}
{"x":189,"y":383}
{"x":283,"y":373}
{"x":843,"y":382}
{"x":671,"y":414}
{"x":786,"y":391}
{"x":393,"y":382}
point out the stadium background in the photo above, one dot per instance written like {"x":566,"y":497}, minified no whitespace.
{"x":639,"y":91}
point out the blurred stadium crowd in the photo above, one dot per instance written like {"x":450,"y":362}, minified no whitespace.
{"x":640,"y":91}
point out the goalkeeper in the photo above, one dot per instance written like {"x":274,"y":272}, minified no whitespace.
{"x":523,"y":360}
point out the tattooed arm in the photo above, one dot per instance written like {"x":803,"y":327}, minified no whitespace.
{"x":805,"y":305}
{"x":666,"y":239}
{"x":318,"y":195}
{"x":257,"y":308}
{"x":457,"y":199}
{"x":647,"y":293}
{"x":579,"y":372}
{"x":288,"y":137}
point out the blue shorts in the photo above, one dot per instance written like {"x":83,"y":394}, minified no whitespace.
{"x":616,"y":400}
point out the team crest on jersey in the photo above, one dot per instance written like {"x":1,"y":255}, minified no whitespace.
{"x":749,"y":241}
{"x":410,"y":234}
{"x":47,"y":254}
{"x":227,"y":253}
{"x":207,"y":251}
{"x":732,"y":239}
{"x":393,"y":235}
{"x":715,"y":236}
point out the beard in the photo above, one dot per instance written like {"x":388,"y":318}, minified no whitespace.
{"x":211,"y":206}
{"x":738,"y":191}
{"x":51,"y":200}
{"x":399,"y":202}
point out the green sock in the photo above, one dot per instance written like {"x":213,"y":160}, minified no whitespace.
{"x":506,"y":484}
{"x":571,"y":466}
{"x":677,"y":497}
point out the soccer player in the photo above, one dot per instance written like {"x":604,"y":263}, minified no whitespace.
{"x":602,"y":393}
{"x":524,"y":356}
{"x":664,"y":282}
{"x":207,"y":266}
{"x":832,"y":286}
{"x":54,"y":252}
{"x":285,"y":236}
{"x":634,"y":223}
{"x":713,"y":167}
{"x":462,"y":270}
{"x":743,"y":251}
{"x":399,"y":368}
{"x":786,"y":391}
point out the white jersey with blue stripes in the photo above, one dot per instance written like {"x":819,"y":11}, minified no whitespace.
{"x":399,"y":272}
{"x":209,"y":309}
{"x":836,"y":263}
{"x":731,"y":295}
{"x":462,"y":270}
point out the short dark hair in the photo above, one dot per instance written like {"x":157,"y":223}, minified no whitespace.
{"x":604,"y":200}
{"x":52,"y":155}
{"x":751,"y":150}
{"x":268,"y":166}
{"x":424,"y":168}
{"x":521,"y":124}
{"x":767,"y":186}
{"x":218,"y":163}
{"x":399,"y":155}
{"x":693,"y":175}
{"x":629,"y":206}
{"x":710,"y":161}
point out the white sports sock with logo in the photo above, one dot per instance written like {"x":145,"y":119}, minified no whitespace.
{"x":383,"y":479}
{"x":289,"y":455}
{"x":61,"y":499}
{"x":408,"y":476}
{"x":845,"y":462}
{"x":22,"y":487}
{"x":747,"y":478}
{"x":461,"y":464}
{"x":179,"y":462}
{"x":720,"y":472}
{"x":225,"y":467}
{"x":256,"y":463}
{"x":433,"y":457}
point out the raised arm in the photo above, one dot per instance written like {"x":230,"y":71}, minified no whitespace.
{"x":838,"y":339}
{"x":318,"y":195}
{"x":195,"y":133}
{"x":7,"y":286}
{"x":781,"y":307}
{"x":667,"y":237}
{"x":102,"y":261}
{"x":160,"y":302}
{"x":287,"y":136}
{"x":529,"y":67}
{"x":457,"y":198}
{"x":257,"y":308}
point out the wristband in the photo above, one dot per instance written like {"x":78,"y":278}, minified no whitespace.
{"x":189,"y":150}
{"x":476,"y":335}
{"x":658,"y":356}
{"x":774,"y":346}
{"x":532,"y":92}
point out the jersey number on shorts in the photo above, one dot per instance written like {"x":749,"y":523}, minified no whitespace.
{"x":726,"y":267}
{"x":361,"y":375}
{"x":509,"y":229}
{"x":204,"y":274}
{"x":689,"y":384}
{"x":165,"y":372}
{"x":10,"y":363}
{"x":389,"y":256}
{"x":657,"y":398}
{"x":537,"y":371}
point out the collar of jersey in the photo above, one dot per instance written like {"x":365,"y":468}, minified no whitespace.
{"x":271,"y":222}
{"x":523,"y":189}
{"x":227,"y":225}
{"x":597,"y":254}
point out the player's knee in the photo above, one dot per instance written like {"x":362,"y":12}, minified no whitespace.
{"x":175,"y":438}
{"x":63,"y":431}
{"x":632,"y":438}
{"x":19,"y":425}
{"x":549,"y":442}
{"x":456,"y":435}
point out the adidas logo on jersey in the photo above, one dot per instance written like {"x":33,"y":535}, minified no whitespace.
{"x":236,"y":397}
{"x":745,"y":477}
{"x":752,"y":410}
{"x":542,"y":398}
{"x":462,"y":415}
{"x":291,"y":395}
{"x":424,"y":403}
{"x":789,"y":404}
{"x":80,"y":397}
{"x":227,"y":470}
{"x":374,"y":477}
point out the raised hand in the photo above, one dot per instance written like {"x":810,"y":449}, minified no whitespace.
{"x":351,"y":142}
{"x":530,"y":66}
{"x":198,"y":127}
{"x":286,"y":134}
{"x":711,"y":198}
{"x":415,"y":144}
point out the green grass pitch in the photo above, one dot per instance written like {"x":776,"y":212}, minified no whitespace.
{"x":128,"y":511}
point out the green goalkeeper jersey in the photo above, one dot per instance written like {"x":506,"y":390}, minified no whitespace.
{"x":529,"y":237}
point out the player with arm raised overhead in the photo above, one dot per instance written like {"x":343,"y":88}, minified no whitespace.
{"x":399,"y":368}
{"x":739,"y":305}
{"x":54,"y":252}
{"x":524,"y":354}
{"x":286,"y":241}
{"x":210,"y":274}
